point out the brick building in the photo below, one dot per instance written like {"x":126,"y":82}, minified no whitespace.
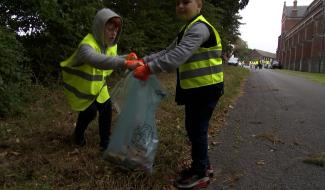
{"x":261,"y":56}
{"x":301,"y":45}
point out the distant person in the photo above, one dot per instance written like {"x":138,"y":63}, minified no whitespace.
{"x":196,"y":54}
{"x":85,"y":72}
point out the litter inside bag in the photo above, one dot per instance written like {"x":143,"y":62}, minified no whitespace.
{"x":134,"y":140}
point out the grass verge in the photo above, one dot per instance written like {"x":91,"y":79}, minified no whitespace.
{"x":36,"y":151}
{"x":317,"y":77}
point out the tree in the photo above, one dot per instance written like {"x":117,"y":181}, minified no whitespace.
{"x":14,"y":73}
{"x":149,"y":25}
{"x":20,"y":16}
{"x":241,"y":50}
{"x":229,"y":20}
{"x":52,"y":30}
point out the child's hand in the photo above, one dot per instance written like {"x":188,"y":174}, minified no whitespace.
{"x":133,"y":64}
{"x":142,"y":72}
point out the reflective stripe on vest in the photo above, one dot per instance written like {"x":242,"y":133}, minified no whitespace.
{"x":83,"y":75}
{"x":83,"y":84}
{"x":204,"y":56}
{"x":204,"y":67}
{"x":201,"y":72}
{"x":78,"y":93}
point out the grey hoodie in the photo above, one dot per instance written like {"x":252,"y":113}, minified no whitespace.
{"x":86,"y":54}
{"x":174,"y":55}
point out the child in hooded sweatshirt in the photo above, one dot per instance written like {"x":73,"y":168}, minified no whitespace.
{"x":196,"y":54}
{"x":85,"y":72}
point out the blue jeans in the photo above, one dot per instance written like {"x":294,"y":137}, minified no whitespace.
{"x":197,"y":117}
{"x":104,"y":121}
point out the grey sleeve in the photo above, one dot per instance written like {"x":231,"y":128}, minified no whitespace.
{"x":86,"y":54}
{"x":153,"y":56}
{"x":173,"y":58}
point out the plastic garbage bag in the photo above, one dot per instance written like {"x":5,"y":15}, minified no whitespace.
{"x":134,"y":140}
{"x":119,"y":93}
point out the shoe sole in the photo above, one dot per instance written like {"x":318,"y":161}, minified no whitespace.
{"x":202,"y":184}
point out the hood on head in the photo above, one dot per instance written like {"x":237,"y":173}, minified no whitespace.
{"x":101,"y":17}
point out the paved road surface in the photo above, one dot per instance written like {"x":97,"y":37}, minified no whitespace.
{"x":277,"y":123}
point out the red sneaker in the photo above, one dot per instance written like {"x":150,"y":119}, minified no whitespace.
{"x":193,"y":182}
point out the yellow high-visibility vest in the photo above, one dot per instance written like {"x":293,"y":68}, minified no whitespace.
{"x":204,"y":67}
{"x":83,"y":84}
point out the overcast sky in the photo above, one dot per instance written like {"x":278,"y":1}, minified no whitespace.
{"x":262,"y":20}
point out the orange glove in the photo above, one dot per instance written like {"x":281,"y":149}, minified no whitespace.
{"x":132,"y":64}
{"x":142,"y":72}
{"x":131,"y":56}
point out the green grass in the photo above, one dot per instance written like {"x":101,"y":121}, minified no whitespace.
{"x":36,"y":151}
{"x":317,"y":77}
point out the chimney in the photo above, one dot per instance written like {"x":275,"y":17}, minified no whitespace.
{"x":294,"y":10}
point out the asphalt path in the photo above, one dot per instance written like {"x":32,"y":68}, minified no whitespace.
{"x":276,"y":125}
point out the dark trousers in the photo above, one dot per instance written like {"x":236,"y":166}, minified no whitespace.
{"x":197,"y":117}
{"x":104,"y":121}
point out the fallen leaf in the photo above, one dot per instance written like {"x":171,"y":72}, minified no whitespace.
{"x":260,"y":162}
{"x":15,"y":153}
{"x":3,"y":154}
{"x":74,"y":152}
{"x":216,"y":143}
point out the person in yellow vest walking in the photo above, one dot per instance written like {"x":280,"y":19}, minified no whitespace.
{"x":85,"y":72}
{"x":196,"y":54}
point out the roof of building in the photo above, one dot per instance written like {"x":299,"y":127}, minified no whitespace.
{"x":301,"y":10}
{"x":265,"y":53}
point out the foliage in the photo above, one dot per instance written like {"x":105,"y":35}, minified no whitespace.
{"x":229,"y":20}
{"x":50,"y":30}
{"x":20,"y":16}
{"x":241,"y":50}
{"x":14,"y":75}
{"x":53,"y":32}
{"x":149,"y":26}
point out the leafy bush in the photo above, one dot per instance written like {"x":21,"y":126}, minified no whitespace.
{"x":14,"y":75}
